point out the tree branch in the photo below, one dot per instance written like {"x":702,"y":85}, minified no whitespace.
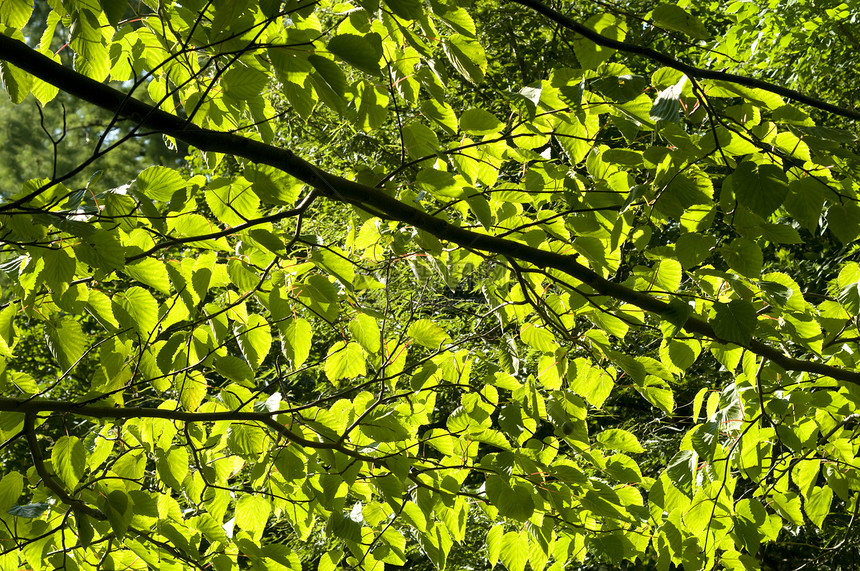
{"x":42,"y":470}
{"x":366,"y":197}
{"x":30,"y":407}
{"x":686,"y":68}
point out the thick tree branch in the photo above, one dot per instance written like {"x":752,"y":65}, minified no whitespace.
{"x":686,"y":68}
{"x":42,"y":470}
{"x":30,"y":407}
{"x":362,"y":196}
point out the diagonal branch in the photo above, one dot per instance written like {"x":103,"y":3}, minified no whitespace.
{"x":42,"y":470}
{"x":686,"y":68}
{"x":363,"y":196}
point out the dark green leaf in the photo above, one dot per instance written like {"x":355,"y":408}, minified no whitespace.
{"x":760,"y":187}
{"x":734,"y":321}
{"x":363,"y":52}
{"x":744,"y":256}
{"x":29,"y":510}
{"x":673,"y":17}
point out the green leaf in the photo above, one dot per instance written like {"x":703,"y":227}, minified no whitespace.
{"x":15,"y":13}
{"x":744,"y":256}
{"x":321,"y":296}
{"x":673,"y":17}
{"x":659,"y":394}
{"x":29,"y":510}
{"x":667,"y":275}
{"x":192,"y":225}
{"x":363,"y":51}
{"x":172,"y":467}
{"x":59,"y":269}
{"x":455,"y":16}
{"x":159,"y":183}
{"x":515,"y":551}
{"x":233,"y":368}
{"x":619,"y":439}
{"x":817,"y":505}
{"x":101,"y":250}
{"x":667,"y":105}
{"x":406,"y":9}
{"x":151,"y":272}
{"x":366,"y":331}
{"x":420,"y":141}
{"x":760,"y":187}
{"x":16,"y":81}
{"x":692,"y":249}
{"x":779,"y":293}
{"x":345,"y":361}
{"x":680,"y":354}
{"x":844,"y":221}
{"x":244,"y":83}
{"x":514,"y":502}
{"x":539,"y":338}
{"x":788,"y":506}
{"x":11,"y":487}
{"x":467,"y":56}
{"x":252,"y":513}
{"x":136,"y":309}
{"x":66,"y":341}
{"x":191,"y":388}
{"x":255,"y":339}
{"x":480,"y":122}
{"x":622,"y":88}
{"x":232,"y":202}
{"x":333,"y":76}
{"x":624,"y":157}
{"x":494,"y":543}
{"x":384,"y":426}
{"x":69,"y":458}
{"x":734,"y":321}
{"x":705,"y":439}
{"x":114,"y":10}
{"x":271,"y":185}
{"x":589,"y":54}
{"x":780,"y":233}
{"x":442,"y":114}
{"x":117,"y":506}
{"x":427,"y":333}
{"x":682,"y":468}
{"x":246,"y":440}
{"x":296,"y":335}
{"x":436,"y":543}
{"x":675,"y":316}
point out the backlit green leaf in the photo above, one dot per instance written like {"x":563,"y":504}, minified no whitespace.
{"x":621,"y":440}
{"x":159,"y":183}
{"x":255,"y":339}
{"x":252,"y":513}
{"x":66,"y":341}
{"x":345,"y":361}
{"x":427,"y":333}
{"x":479,"y":122}
{"x":296,"y":335}
{"x":69,"y":459}
{"x":467,"y":56}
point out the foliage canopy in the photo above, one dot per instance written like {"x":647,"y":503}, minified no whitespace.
{"x":445,"y":277}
